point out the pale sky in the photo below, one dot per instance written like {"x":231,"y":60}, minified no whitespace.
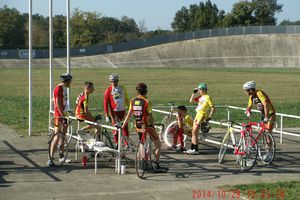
{"x":156,"y":13}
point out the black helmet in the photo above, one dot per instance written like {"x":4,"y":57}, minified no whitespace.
{"x":141,"y":88}
{"x":66,"y":77}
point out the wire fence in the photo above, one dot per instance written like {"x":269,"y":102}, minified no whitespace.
{"x":142,"y":43}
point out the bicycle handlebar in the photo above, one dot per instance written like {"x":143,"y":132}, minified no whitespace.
{"x":230,"y":122}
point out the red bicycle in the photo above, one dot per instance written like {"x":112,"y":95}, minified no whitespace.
{"x":245,"y":149}
{"x":265,"y":141}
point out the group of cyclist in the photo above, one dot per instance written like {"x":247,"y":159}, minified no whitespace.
{"x":116,"y":100}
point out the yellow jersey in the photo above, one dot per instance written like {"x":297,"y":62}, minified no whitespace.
{"x":204,"y":103}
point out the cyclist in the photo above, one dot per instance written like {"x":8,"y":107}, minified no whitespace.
{"x":61,"y":107}
{"x":262,"y":102}
{"x":184,"y":126}
{"x":82,"y":112}
{"x":204,"y":104}
{"x":115,"y":99}
{"x":141,"y":109}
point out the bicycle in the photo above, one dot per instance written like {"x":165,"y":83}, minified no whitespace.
{"x":144,"y":154}
{"x":83,"y":143}
{"x":246,"y":149}
{"x":265,"y":141}
{"x":172,"y":129}
{"x":169,"y":117}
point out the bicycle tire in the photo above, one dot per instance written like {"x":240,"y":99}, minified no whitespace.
{"x":223,"y":147}
{"x":140,"y":162}
{"x":166,"y":120}
{"x":249,"y":147}
{"x":57,"y":153}
{"x":151,"y":148}
{"x":168,"y":136}
{"x":263,"y":148}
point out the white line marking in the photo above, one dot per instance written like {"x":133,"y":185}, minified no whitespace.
{"x":114,"y":66}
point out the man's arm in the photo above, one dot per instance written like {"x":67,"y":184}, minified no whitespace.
{"x":266,"y":109}
{"x":192,"y":98}
{"x":212,"y":111}
{"x":126,"y":97}
{"x":59,"y":103}
{"x":249,"y":106}
{"x":126,"y":119}
{"x":180,"y":122}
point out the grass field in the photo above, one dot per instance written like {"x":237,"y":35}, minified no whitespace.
{"x":272,"y":191}
{"x":165,"y":85}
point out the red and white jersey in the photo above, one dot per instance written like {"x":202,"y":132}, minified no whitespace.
{"x":60,"y":93}
{"x":115,"y":98}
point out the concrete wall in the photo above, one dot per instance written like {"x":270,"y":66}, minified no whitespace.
{"x":274,"y":50}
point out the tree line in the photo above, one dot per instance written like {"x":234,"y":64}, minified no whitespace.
{"x":92,"y":28}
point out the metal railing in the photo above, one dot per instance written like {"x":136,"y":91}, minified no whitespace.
{"x":118,"y":159}
{"x":229,"y":108}
{"x":281,"y":115}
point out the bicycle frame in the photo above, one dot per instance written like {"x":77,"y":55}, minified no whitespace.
{"x":237,"y":148}
{"x":249,"y":129}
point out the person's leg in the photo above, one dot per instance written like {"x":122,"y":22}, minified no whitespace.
{"x":114,"y":122}
{"x":175,"y":137}
{"x":121,"y":116}
{"x":271,"y":123}
{"x":153,"y":135}
{"x":180,"y":137}
{"x":57,"y":131}
{"x":194,"y":145}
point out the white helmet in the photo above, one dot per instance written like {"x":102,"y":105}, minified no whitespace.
{"x":114,"y":77}
{"x":249,"y":85}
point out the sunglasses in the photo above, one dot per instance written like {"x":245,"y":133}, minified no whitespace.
{"x":113,"y":81}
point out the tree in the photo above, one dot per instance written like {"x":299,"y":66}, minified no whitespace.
{"x":59,"y":31}
{"x":265,"y":10}
{"x":242,"y":13}
{"x":288,"y":22}
{"x":182,"y":20}
{"x":202,"y":16}
{"x":142,"y":26}
{"x":12,"y":28}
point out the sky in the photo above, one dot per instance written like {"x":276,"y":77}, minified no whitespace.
{"x":155,"y":13}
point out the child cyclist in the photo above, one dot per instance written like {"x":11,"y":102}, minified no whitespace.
{"x":205,"y":104}
{"x":184,"y":126}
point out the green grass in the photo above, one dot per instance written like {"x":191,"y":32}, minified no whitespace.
{"x":280,"y":190}
{"x":165,"y":85}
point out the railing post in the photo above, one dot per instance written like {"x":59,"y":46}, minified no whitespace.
{"x":119,"y":151}
{"x":281,"y":128}
{"x":228,"y":114}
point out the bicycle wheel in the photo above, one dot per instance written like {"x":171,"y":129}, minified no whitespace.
{"x":167,"y":120}
{"x":151,"y":158}
{"x":223,"y":147}
{"x":249,"y":149}
{"x":140,"y":162}
{"x":169,"y":133}
{"x":59,"y":154}
{"x":266,"y":148}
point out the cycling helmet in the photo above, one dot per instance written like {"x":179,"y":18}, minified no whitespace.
{"x":249,"y":85}
{"x":141,"y":88}
{"x":66,"y":77}
{"x":114,"y":77}
{"x":202,"y":86}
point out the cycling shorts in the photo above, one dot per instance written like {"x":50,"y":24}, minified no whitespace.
{"x":200,"y":117}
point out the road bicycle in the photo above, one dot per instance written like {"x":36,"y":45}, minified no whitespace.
{"x":246,"y":149}
{"x":265,"y":141}
{"x":83,"y":142}
{"x":145,"y":155}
